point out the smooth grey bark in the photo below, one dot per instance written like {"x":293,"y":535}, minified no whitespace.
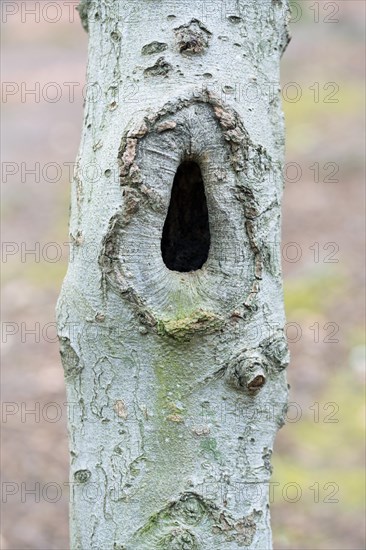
{"x":175,"y":380}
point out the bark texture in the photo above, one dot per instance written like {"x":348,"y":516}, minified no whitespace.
{"x":175,"y":378}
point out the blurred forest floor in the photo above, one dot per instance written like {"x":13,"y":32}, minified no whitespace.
{"x":319,"y":485}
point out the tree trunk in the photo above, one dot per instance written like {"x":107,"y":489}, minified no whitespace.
{"x":171,"y":314}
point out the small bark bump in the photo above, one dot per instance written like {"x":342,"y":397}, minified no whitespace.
{"x":193,"y":38}
{"x":276,"y":350}
{"x":82,"y":476}
{"x":234,"y":19}
{"x":69,"y":357}
{"x":154,"y":47}
{"x":115,"y":35}
{"x":160,"y":68}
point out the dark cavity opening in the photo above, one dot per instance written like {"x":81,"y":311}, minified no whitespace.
{"x":186,"y":234}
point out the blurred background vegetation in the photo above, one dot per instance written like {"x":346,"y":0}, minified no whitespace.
{"x":318,"y":482}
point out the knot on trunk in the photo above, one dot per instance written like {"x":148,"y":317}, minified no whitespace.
{"x":247,"y":371}
{"x":193,"y":38}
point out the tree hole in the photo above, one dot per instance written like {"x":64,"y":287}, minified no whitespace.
{"x":185,"y":241}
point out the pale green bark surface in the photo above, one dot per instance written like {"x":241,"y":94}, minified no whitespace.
{"x":175,"y":381}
